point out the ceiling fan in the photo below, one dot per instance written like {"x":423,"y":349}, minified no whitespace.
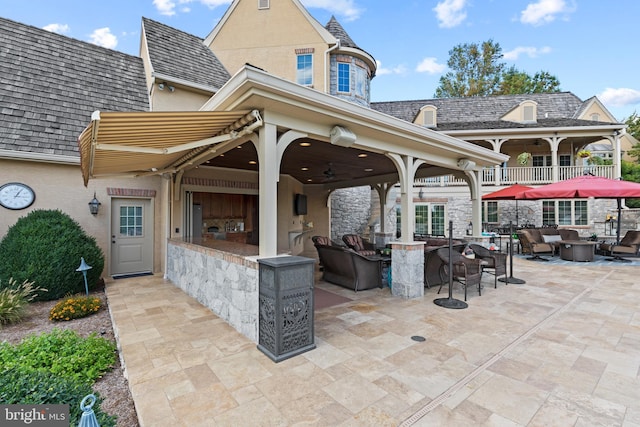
{"x":329,"y":174}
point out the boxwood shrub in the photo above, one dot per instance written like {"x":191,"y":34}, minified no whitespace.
{"x":45,"y":247}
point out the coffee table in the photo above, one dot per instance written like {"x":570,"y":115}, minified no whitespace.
{"x":577,"y":250}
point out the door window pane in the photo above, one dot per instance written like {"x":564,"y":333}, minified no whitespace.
{"x":131,"y":221}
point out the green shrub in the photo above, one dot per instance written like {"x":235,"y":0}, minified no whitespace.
{"x":45,"y":248}
{"x":74,"y":307}
{"x":14,"y":299}
{"x":60,"y":353}
{"x":40,"y":387}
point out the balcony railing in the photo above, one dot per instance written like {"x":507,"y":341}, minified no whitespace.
{"x":525,"y":175}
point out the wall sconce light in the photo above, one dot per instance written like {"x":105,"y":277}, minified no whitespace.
{"x":94,"y":205}
{"x":162,"y":85}
{"x":421,"y":194}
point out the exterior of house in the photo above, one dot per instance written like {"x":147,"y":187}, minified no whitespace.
{"x":199,"y":149}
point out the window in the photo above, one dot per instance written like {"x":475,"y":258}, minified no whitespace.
{"x":361,"y":82}
{"x":131,"y":221}
{"x":429,"y":116}
{"x":263,"y":4}
{"x":565,"y":212}
{"x":304,"y":70}
{"x":430,"y":219}
{"x":595,"y":117}
{"x":490,"y":212}
{"x":344,"y":78}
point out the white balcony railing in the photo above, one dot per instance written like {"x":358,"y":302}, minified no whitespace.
{"x":525,"y":175}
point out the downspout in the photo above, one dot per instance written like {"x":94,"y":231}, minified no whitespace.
{"x":326,"y":74}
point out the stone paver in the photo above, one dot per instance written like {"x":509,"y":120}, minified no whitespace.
{"x":561,"y":350}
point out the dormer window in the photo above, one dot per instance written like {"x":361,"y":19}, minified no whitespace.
{"x":263,"y":4}
{"x":428,"y":113}
{"x":529,"y":111}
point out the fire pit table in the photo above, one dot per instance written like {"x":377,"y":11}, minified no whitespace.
{"x":577,"y":250}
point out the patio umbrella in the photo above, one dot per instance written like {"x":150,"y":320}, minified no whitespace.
{"x":587,"y":186}
{"x":508,"y":193}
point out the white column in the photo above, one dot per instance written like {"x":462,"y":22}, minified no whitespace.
{"x":269,"y":172}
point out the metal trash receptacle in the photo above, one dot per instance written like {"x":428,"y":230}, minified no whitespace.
{"x":286,"y":306}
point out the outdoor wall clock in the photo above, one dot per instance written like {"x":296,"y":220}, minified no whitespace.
{"x":15,"y":195}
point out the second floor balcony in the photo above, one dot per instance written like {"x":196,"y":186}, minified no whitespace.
{"x":525,"y":175}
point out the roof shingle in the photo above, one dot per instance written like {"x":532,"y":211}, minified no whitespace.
{"x":50,"y":84}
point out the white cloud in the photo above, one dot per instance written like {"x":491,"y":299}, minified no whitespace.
{"x":530,"y":51}
{"x":450,"y":13}
{"x":544,"y":11}
{"x":381,"y":71}
{"x":431,"y":66}
{"x":343,"y":8}
{"x":211,"y":4}
{"x":103,"y":37}
{"x":165,"y":7}
{"x":620,"y":97}
{"x":57,"y":28}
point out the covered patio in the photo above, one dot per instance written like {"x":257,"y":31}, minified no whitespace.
{"x":554,"y":352}
{"x":293,"y":128}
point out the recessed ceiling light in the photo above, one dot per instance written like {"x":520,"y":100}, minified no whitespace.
{"x":253,"y":162}
{"x":305,"y":144}
{"x":304,"y":169}
{"x":361,"y":155}
{"x":239,"y":146}
{"x":368,"y":170}
{"x":309,"y":180}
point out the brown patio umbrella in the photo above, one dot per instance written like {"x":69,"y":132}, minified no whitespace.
{"x":508,"y":193}
{"x":587,"y":186}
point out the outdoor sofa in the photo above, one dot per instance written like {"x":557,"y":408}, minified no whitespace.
{"x":349,"y":269}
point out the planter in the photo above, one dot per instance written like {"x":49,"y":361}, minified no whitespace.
{"x":523,"y":158}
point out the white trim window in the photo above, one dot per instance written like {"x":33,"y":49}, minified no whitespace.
{"x":344,"y":77}
{"x":263,"y":4}
{"x":304,"y":69}
{"x":565,"y":212}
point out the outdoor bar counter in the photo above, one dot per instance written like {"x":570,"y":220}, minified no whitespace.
{"x":220,"y":274}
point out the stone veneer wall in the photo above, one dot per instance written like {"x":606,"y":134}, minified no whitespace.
{"x":225,"y":283}
{"x":350,"y":212}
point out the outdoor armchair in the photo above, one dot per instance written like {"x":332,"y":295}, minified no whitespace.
{"x":467,"y":272}
{"x":534,"y":247}
{"x":496,"y":261}
{"x":628,"y":246}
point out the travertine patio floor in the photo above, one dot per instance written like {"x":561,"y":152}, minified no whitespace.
{"x":561,"y":350}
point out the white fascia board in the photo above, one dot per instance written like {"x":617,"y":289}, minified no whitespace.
{"x":39,"y":157}
{"x":567,"y":131}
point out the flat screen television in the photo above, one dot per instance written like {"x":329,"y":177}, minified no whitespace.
{"x":300,"y":204}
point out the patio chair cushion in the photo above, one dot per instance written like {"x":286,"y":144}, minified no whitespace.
{"x":550,"y":238}
{"x":358,"y":244}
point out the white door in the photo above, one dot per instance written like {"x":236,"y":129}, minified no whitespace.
{"x":131,"y":236}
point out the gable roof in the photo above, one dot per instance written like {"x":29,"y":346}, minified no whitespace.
{"x":52,"y":83}
{"x":484,"y":112}
{"x":182,"y":56}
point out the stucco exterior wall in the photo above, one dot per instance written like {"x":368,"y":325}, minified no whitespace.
{"x":67,"y":193}
{"x":282,"y":29}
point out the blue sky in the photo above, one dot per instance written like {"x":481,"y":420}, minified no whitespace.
{"x":590,"y":45}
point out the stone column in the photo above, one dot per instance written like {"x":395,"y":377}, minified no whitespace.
{"x":407,"y":269}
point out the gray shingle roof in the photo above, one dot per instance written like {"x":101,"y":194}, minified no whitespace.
{"x":50,"y":84}
{"x":336,"y":30}
{"x":182,"y":56}
{"x":481,"y":112}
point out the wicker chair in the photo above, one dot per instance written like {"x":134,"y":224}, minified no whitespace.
{"x":359,"y":245}
{"x":467,"y":272}
{"x":530,"y":245}
{"x":628,"y":246}
{"x":496,"y":261}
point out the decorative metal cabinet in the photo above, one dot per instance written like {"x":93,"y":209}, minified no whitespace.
{"x":286,"y":307}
